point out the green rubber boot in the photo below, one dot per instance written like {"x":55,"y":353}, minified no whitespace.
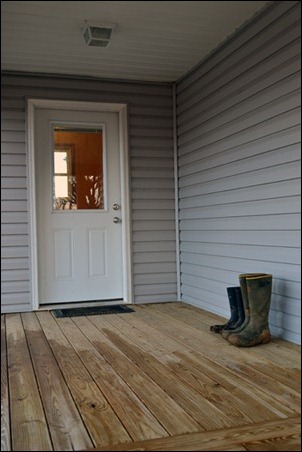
{"x":242,"y":280}
{"x":259,"y":289}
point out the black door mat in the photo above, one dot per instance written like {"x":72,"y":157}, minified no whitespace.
{"x":91,"y":310}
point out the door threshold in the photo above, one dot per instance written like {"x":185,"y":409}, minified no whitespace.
{"x":81,"y":304}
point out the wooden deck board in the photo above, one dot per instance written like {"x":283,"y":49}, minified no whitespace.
{"x":99,"y":418}
{"x":155,"y":379}
{"x":237,"y":360}
{"x":5,"y":427}
{"x":273,"y":433}
{"x":29,"y":429}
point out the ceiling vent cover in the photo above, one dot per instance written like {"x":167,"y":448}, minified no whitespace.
{"x":97,"y":35}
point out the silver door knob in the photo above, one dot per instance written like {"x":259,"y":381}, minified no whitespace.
{"x":116,"y":220}
{"x":116,"y":207}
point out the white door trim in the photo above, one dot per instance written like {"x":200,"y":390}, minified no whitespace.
{"x":122,"y":110}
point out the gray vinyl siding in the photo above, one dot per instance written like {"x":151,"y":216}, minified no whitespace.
{"x":239,"y":154}
{"x":151,"y":173}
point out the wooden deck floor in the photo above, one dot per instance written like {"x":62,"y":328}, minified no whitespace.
{"x":156,"y":379}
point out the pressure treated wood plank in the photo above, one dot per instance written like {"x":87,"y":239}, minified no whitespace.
{"x":202,"y":410}
{"x":165,"y":409}
{"x":5,"y":420}
{"x":242,"y":359}
{"x":28,"y":424}
{"x":233,"y":438}
{"x":226,"y":356}
{"x":65,"y":424}
{"x":278,"y":351}
{"x":287,"y":443}
{"x":206,"y":376}
{"x":290,"y":377}
{"x":100,"y":420}
{"x":272,"y":363}
{"x":138,"y":420}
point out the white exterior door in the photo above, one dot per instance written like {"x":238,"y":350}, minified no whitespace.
{"x":79,"y":212}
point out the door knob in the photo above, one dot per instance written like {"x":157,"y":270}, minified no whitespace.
{"x":116,"y":220}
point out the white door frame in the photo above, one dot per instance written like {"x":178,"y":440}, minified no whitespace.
{"x":122,"y":110}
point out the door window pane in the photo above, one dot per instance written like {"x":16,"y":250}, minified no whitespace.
{"x":78,"y":169}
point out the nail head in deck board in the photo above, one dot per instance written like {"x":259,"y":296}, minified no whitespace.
{"x":65,"y":424}
{"x":101,"y":421}
{"x":28,"y":424}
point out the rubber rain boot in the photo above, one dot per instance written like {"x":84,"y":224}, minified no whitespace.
{"x":259,"y":290}
{"x":242,"y":281}
{"x":234,"y":311}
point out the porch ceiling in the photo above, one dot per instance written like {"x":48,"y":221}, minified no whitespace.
{"x":153,"y":41}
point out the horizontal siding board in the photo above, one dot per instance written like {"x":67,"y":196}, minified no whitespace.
{"x":250,"y":208}
{"x":15,"y":252}
{"x":12,"y":114}
{"x":15,"y":287}
{"x":15,"y":264}
{"x":14,"y":171}
{"x":272,"y":159}
{"x":12,"y":137}
{"x":13,"y":182}
{"x":13,"y":148}
{"x":207,"y":121}
{"x":266,"y":238}
{"x":13,"y":124}
{"x":155,"y":278}
{"x":15,"y":275}
{"x":155,"y":194}
{"x":272,"y":190}
{"x":160,"y":256}
{"x":193,"y":187}
{"x":151,"y":173}
{"x":14,"y":240}
{"x":276,"y":124}
{"x":14,"y":229}
{"x":277,"y":222}
{"x":141,"y":226}
{"x":152,"y":215}
{"x":14,"y":217}
{"x":150,"y":268}
{"x":152,"y":236}
{"x":154,"y":290}
{"x":245,"y":88}
{"x":16,"y":194}
{"x":13,"y":159}
{"x":289,"y":272}
{"x":162,"y":204}
{"x":279,"y":140}
{"x":266,"y":253}
{"x":143,"y":247}
{"x":244,"y":125}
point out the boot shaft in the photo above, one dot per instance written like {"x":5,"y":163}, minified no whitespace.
{"x":259,"y":290}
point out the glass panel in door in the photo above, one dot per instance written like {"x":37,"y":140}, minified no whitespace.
{"x":78,"y":179}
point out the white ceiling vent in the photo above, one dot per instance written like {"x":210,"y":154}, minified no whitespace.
{"x":97,"y":35}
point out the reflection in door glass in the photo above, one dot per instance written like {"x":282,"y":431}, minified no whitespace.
{"x":78,"y":169}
